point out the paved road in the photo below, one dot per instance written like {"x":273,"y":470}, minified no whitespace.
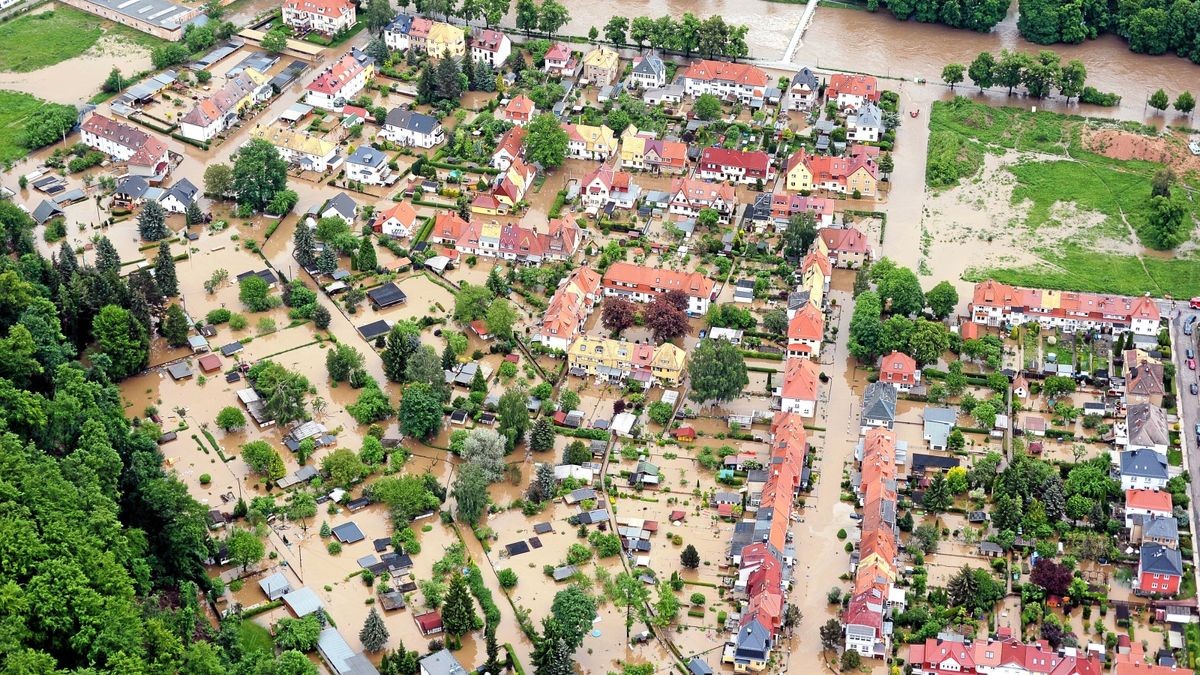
{"x":1188,"y":405}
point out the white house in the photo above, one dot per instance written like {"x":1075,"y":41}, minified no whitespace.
{"x":1143,"y":469}
{"x":800,"y":385}
{"x":117,"y":140}
{"x":340,"y":206}
{"x":338,"y":84}
{"x":178,"y":197}
{"x":412,"y":128}
{"x":400,"y":221}
{"x":322,"y":16}
{"x":310,"y":153}
{"x":491,"y":47}
{"x":370,"y":166}
{"x":649,"y":72}
{"x":395,"y":35}
{"x":866,"y":126}
{"x":803,"y":90}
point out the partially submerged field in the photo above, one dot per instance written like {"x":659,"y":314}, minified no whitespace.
{"x":15,"y":109}
{"x":1061,"y":201}
{"x":41,"y":39}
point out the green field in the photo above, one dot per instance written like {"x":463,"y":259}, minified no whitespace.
{"x":1054,"y":168}
{"x":253,"y":637}
{"x":15,"y":107}
{"x":34,"y":41}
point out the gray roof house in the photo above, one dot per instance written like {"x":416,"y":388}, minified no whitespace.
{"x":698,"y":666}
{"x":342,"y":205}
{"x":302,"y":601}
{"x":275,"y":586}
{"x":1143,"y":469}
{"x":341,"y":659}
{"x":179,"y":196}
{"x":441,"y":663}
{"x":879,"y":406}
{"x":368,"y":157}
{"x":938,"y":424}
{"x":1147,"y":425}
{"x":1160,"y":530}
{"x":45,"y":211}
{"x":1158,"y":559}
{"x":648,"y":72}
{"x":867,"y":125}
{"x":752,"y":645}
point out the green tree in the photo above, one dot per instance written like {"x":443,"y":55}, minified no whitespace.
{"x":541,"y":437}
{"x":255,"y":294}
{"x":981,"y":71}
{"x":343,"y":467}
{"x":258,"y":173}
{"x":615,"y":29}
{"x":447,"y":80}
{"x":484,"y":448}
{"x":374,"y":634}
{"x":937,"y":496}
{"x":952,"y":74}
{"x":152,"y":222}
{"x":379,"y":15}
{"x":218,"y":180}
{"x":707,"y":107}
{"x":458,"y":612}
{"x":717,"y":371}
{"x":165,"y":270}
{"x":902,"y":288}
{"x":942,"y":299}
{"x":1071,"y":79}
{"x":107,"y":258}
{"x":192,"y":215}
{"x":574,"y":609}
{"x":304,"y":246}
{"x":263,"y":459}
{"x":298,"y":634}
{"x":500,"y":319}
{"x":690,"y":558}
{"x":1167,"y":223}
{"x":49,"y":125}
{"x":301,"y":506}
{"x":424,"y":365}
{"x":321,"y":317}
{"x":420,"y":411}
{"x":231,"y":418}
{"x":928,"y":341}
{"x":175,"y":327}
{"x":275,"y":41}
{"x":1185,"y":103}
{"x":552,"y":654}
{"x":513,"y":415}
{"x":546,"y":141}
{"x":527,"y":15}
{"x":245,"y":548}
{"x":292,"y":662}
{"x":552,"y":16}
{"x":471,"y":302}
{"x":403,"y":340}
{"x":1009,"y":69}
{"x":114,"y":82}
{"x":123,"y":339}
{"x":800,"y":234}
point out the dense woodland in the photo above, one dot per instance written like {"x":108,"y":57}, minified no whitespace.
{"x":1150,"y":26}
{"x":100,"y":550}
{"x":976,"y":15}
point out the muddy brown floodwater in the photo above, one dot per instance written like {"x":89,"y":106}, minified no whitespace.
{"x":877,"y":43}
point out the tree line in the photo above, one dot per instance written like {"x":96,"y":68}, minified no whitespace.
{"x":1151,"y":27}
{"x":709,"y":37}
{"x":976,"y":15}
{"x":1040,"y":75}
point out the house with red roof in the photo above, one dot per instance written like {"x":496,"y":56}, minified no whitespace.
{"x":1143,"y":668}
{"x":399,"y":221}
{"x":950,"y":653}
{"x":510,"y":146}
{"x":800,"y":386}
{"x":560,"y":61}
{"x":727,"y":81}
{"x":604,"y":185}
{"x":520,"y":110}
{"x":569,"y":309}
{"x":144,"y":154}
{"x":643,"y":284}
{"x":448,"y":227}
{"x":337,"y":84}
{"x":852,"y":91}
{"x":899,"y":370}
{"x":847,"y":247}
{"x":837,"y":174}
{"x":997,"y":304}
{"x":489,"y":46}
{"x":512,"y":185}
{"x":805,"y":332}
{"x":323,"y":16}
{"x":690,"y":195}
{"x":1141,"y":504}
{"x":429,"y":623}
{"x":736,"y":166}
{"x":1160,"y":570}
{"x":662,"y":156}
{"x":784,"y":206}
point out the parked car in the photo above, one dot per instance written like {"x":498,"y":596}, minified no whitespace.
{"x":1198,"y":433}
{"x":1190,"y":354}
{"x":1194,"y":388}
{"x":1195,"y":303}
{"x":1191,"y":364}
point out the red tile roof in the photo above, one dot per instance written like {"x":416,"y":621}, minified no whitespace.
{"x":336,"y":76}
{"x":629,"y":277}
{"x":737,"y":73}
{"x":800,"y":380}
{"x":854,"y":85}
{"x":844,"y":239}
{"x":322,"y":7}
{"x":898,"y":368}
{"x":1152,"y":500}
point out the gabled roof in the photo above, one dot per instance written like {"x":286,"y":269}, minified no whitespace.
{"x":1159,"y":559}
{"x":333,"y":8}
{"x":806,"y":78}
{"x":365,"y":155}
{"x":183,"y":191}
{"x":807,"y":324}
{"x":1148,"y":500}
{"x":343,"y":204}
{"x":408,"y":120}
{"x":738,"y":73}
{"x":1144,"y":463}
{"x":894,"y":366}
{"x":800,"y":380}
{"x":879,"y":402}
{"x":1147,"y":425}
{"x":650,"y":64}
{"x":331,"y":81}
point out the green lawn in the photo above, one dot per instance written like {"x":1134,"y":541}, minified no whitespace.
{"x":253,"y":637}
{"x":34,"y":41}
{"x":15,"y":107}
{"x":961,"y":131}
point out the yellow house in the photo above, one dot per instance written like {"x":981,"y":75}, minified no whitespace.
{"x":614,"y":361}
{"x":667,"y":366}
{"x":862,"y":180}
{"x":600,"y":66}
{"x":798,"y":177}
{"x":445,"y":39}
{"x":633,"y":149}
{"x":588,"y":142}
{"x":815,"y":275}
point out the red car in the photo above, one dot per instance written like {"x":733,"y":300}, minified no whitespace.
{"x":1191,"y":363}
{"x":1195,"y":303}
